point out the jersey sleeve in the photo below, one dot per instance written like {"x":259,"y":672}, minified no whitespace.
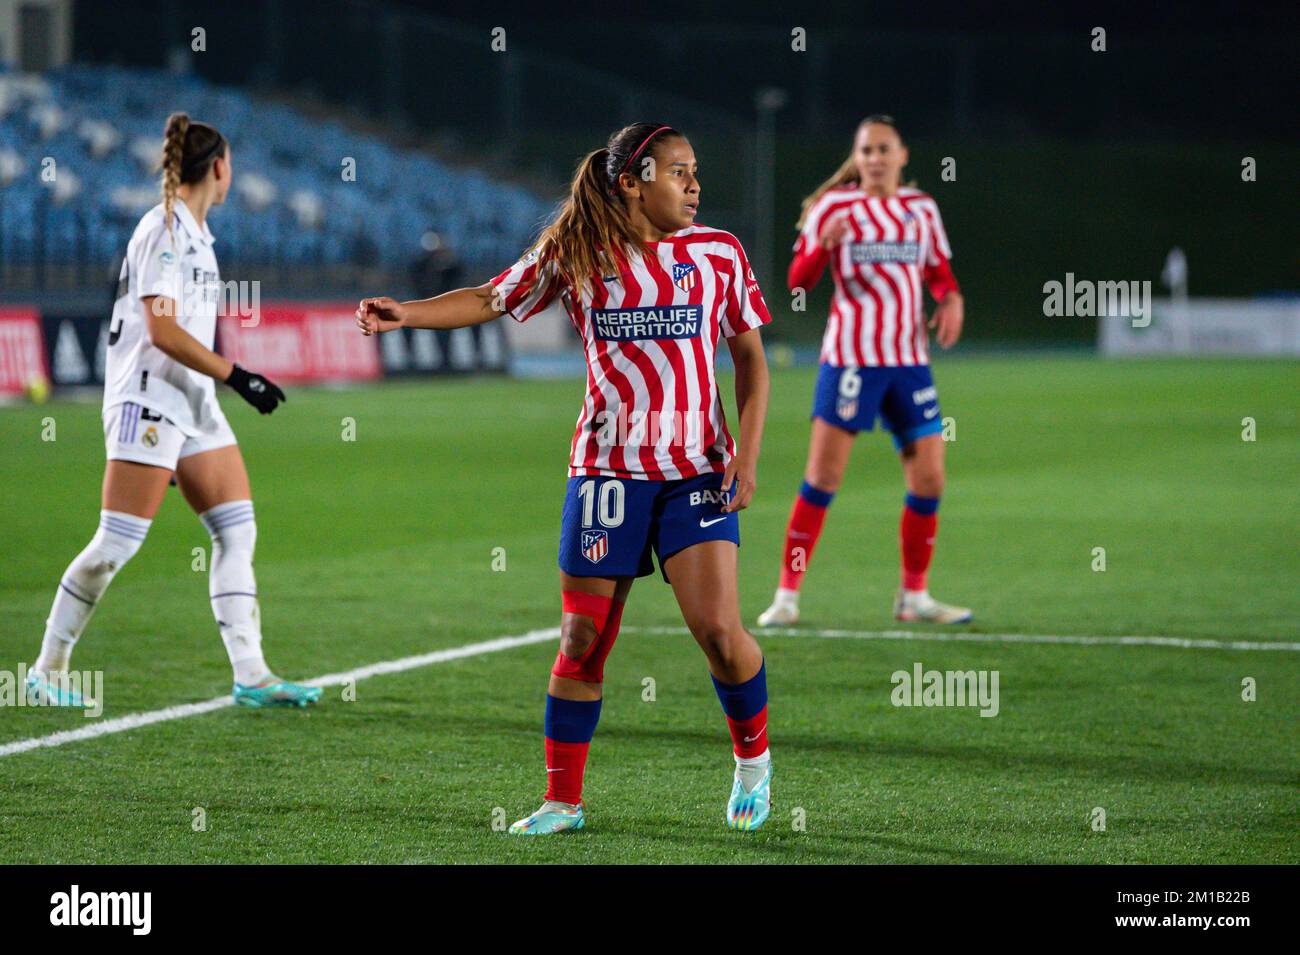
{"x":158,"y":266}
{"x":810,"y":259}
{"x":745,"y":309}
{"x":937,"y":268}
{"x":528,"y":288}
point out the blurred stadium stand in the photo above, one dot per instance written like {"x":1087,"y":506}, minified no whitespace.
{"x":296,"y":223}
{"x":1066,"y":160}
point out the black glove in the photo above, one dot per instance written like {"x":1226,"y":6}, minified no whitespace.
{"x":262,"y":393}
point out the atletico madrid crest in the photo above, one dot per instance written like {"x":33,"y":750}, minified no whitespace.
{"x":685,"y":276}
{"x":595,"y":545}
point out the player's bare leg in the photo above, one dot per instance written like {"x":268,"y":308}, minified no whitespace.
{"x":131,"y":496}
{"x":134,"y":488}
{"x":592,"y":612}
{"x":703,"y":578}
{"x":215,"y":484}
{"x":828,"y":458}
{"x":923,"y":471}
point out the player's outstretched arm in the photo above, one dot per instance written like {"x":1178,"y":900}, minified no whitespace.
{"x":456,"y":309}
{"x":752,"y":386}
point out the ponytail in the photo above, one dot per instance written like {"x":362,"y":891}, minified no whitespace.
{"x":846,"y":175}
{"x":189,"y":150}
{"x":178,"y":124}
{"x":592,"y":233}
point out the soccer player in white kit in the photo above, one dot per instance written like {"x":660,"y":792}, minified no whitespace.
{"x":881,"y":240}
{"x":162,"y":422}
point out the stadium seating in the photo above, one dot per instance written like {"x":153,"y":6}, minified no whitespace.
{"x":291,"y":206}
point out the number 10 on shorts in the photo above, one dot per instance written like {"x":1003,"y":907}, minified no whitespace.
{"x":609,"y":498}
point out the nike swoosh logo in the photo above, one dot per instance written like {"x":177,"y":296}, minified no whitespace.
{"x":704,"y":523}
{"x":560,"y":770}
{"x":931,"y":412}
{"x":750,"y":739}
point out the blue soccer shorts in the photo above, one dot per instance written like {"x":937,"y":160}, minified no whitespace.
{"x":903,"y":397}
{"x":610,"y":525}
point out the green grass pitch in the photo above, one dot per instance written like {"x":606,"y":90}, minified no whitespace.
{"x":383,"y":547}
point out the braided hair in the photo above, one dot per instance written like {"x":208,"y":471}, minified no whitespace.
{"x":189,"y":150}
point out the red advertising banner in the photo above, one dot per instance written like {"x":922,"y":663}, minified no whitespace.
{"x":301,"y":342}
{"x":22,"y":350}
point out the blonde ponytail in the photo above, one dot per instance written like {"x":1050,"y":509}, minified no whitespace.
{"x":178,"y":124}
{"x":847,"y":174}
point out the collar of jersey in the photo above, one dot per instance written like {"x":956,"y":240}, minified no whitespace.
{"x":186,"y":219}
{"x":671,"y":237}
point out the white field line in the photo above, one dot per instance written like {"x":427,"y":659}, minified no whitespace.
{"x":133,"y":721}
{"x":122,"y":724}
{"x":1181,"y":643}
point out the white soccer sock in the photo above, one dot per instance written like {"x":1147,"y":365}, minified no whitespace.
{"x":752,"y":769}
{"x":84,"y":582}
{"x":785,"y":595}
{"x":233,"y":590}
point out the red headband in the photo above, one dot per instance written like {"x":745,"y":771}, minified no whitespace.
{"x":632,"y":157}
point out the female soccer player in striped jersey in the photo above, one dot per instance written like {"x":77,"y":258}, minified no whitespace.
{"x":161,"y":419}
{"x":881,"y":240}
{"x":652,"y":465}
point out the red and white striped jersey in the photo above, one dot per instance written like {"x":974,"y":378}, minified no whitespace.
{"x":893,"y":243}
{"x":652,"y":409}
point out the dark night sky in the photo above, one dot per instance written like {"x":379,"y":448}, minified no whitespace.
{"x":1172,"y":71}
{"x":1168,"y":19}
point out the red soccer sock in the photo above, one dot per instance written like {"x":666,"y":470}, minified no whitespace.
{"x":565,"y":764}
{"x":570,"y":724}
{"x":749,"y":737}
{"x":806,"y":520}
{"x":916,"y":533}
{"x":745,"y":706}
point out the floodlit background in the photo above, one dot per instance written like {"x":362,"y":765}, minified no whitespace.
{"x":467,"y":123}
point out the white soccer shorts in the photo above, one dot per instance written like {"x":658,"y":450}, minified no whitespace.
{"x":134,"y":433}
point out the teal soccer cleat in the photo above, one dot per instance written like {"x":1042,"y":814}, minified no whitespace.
{"x":747,"y":811}
{"x":43,"y":691}
{"x":552,"y":817}
{"x":277,"y":693}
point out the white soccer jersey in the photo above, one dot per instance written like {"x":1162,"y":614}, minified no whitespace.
{"x":652,"y":409}
{"x":180,"y":265}
{"x":877,"y":315}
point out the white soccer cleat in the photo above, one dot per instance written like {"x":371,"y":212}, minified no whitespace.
{"x":917,"y":606}
{"x":784,"y":611}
